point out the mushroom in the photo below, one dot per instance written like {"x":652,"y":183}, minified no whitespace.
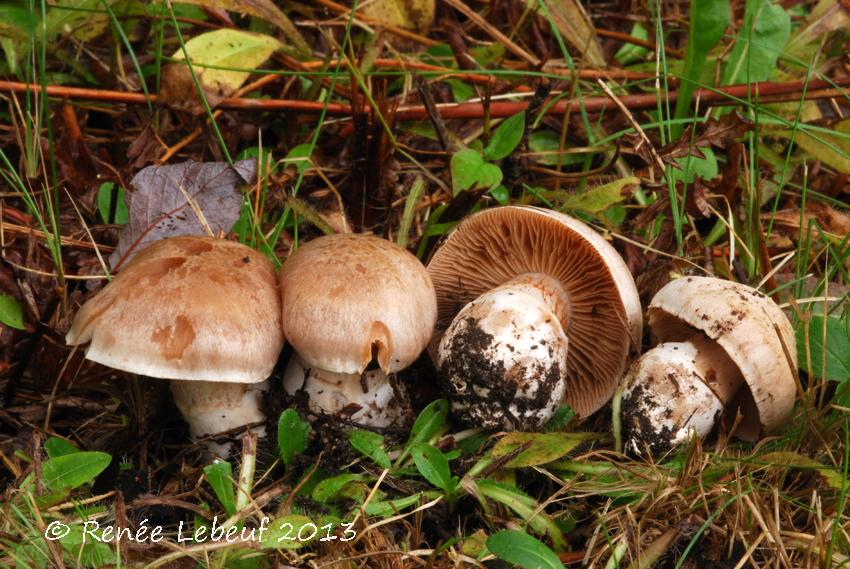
{"x":723,"y":347}
{"x":202,"y":312}
{"x":516,"y":285}
{"x":357,"y":309}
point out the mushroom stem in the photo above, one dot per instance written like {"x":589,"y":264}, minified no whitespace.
{"x":675,"y":390}
{"x":372,"y":398}
{"x":216,"y":407}
{"x":546,"y":290}
{"x":505,"y":354}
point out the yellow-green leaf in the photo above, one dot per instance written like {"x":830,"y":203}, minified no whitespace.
{"x":831,"y":149}
{"x":598,"y":199}
{"x":789,"y":459}
{"x":224,"y":58}
{"x":264,"y":9}
{"x":542,"y":447}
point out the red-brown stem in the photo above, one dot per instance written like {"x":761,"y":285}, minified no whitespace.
{"x":767,"y":92}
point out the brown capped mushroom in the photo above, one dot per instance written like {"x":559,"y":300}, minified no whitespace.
{"x":202,"y":312}
{"x":515,"y":285}
{"x":351,"y":302}
{"x":722,"y":348}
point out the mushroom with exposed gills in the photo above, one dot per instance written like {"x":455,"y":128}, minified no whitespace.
{"x":357,"y":309}
{"x":534,"y":309}
{"x":723,"y":346}
{"x":202,"y":312}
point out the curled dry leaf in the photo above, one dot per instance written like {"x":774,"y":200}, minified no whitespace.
{"x":416,"y":15}
{"x":159,"y":207}
{"x":575,"y":26}
{"x":831,"y":220}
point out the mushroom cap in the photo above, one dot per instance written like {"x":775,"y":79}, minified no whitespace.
{"x":349,"y":299}
{"x":504,"y":358}
{"x":752,"y":330}
{"x":191,"y":308}
{"x":491,"y":247}
{"x":666,"y":399}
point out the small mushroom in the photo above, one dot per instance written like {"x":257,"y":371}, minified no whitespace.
{"x":357,"y":309}
{"x":534,"y":309}
{"x":202,"y":312}
{"x":724,"y":347}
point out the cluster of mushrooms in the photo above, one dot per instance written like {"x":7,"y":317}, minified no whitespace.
{"x":521,"y":309}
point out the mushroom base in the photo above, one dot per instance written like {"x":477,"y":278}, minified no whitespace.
{"x":372,"y":399}
{"x":504,"y":359}
{"x":211,"y":408}
{"x":669,"y":397}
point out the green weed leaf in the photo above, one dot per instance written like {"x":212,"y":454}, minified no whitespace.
{"x":73,"y":470}
{"x":330,"y":488}
{"x":121,"y":214}
{"x":431,"y":420}
{"x":709,"y":19}
{"x":293,"y":434}
{"x":521,"y":549}
{"x":11,"y":312}
{"x":56,"y":447}
{"x":238,"y":51}
{"x":765,"y":32}
{"x":830,"y":351}
{"x":283,"y":533}
{"x":598,"y":199}
{"x":506,"y":137}
{"x":433,"y":465}
{"x":220,"y":476}
{"x":469,"y":170}
{"x":371,"y":445}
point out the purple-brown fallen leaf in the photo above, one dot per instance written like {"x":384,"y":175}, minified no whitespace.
{"x":158,"y":206}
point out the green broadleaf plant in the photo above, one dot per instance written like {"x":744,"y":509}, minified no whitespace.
{"x":11,"y":312}
{"x":433,"y":465}
{"x":220,"y":476}
{"x":293,"y":434}
{"x":829,"y":346}
{"x":371,"y":445}
{"x":708,"y":20}
{"x":521,"y":549}
{"x":470,"y":170}
{"x":73,"y":470}
{"x":506,"y":137}
{"x":766,"y":29}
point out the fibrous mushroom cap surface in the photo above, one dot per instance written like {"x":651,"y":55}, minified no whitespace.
{"x":191,"y":308}
{"x":348,"y":298}
{"x":748,"y":325}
